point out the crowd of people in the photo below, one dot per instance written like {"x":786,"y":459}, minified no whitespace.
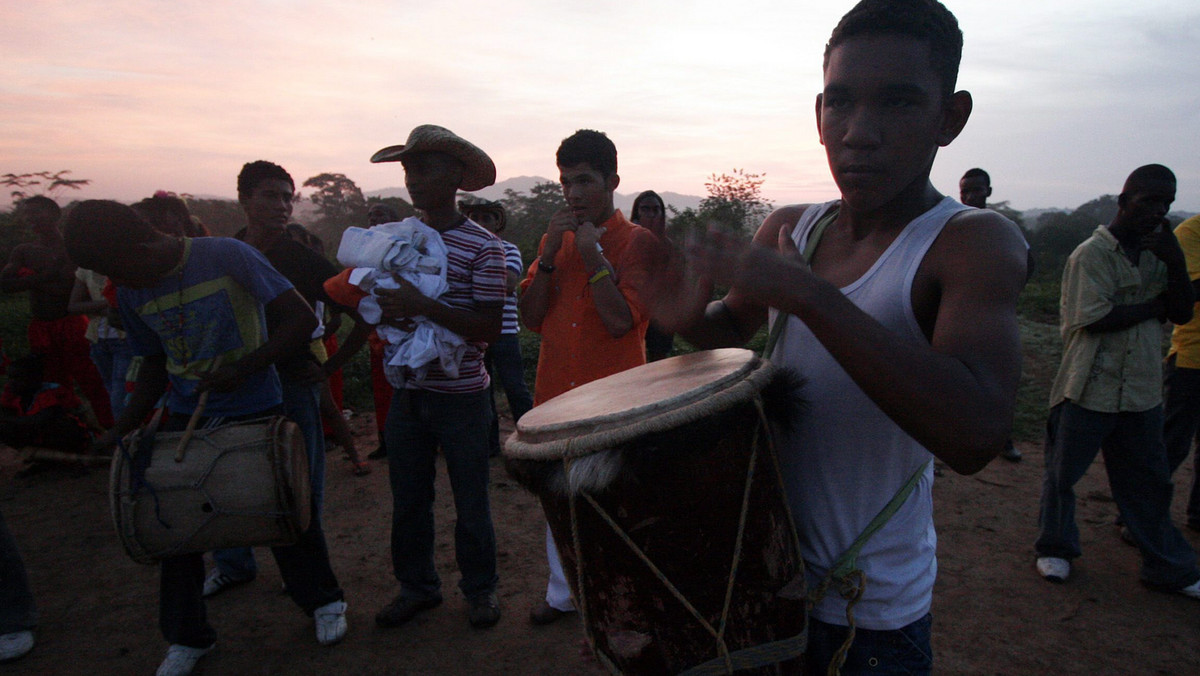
{"x":897,"y":306}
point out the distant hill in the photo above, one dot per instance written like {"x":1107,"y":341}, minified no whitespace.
{"x":523,"y":184}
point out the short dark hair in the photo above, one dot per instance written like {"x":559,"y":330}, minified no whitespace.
{"x":159,"y":209}
{"x":972,"y":173}
{"x":258,"y":171}
{"x":96,"y":227}
{"x":646,"y":196}
{"x":589,"y":147}
{"x":925,"y":20}
{"x":1148,"y":173}
{"x":42,"y":203}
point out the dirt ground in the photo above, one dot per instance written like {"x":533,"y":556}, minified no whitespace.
{"x":992,"y":614}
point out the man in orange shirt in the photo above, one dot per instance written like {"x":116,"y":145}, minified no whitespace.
{"x":582,"y":295}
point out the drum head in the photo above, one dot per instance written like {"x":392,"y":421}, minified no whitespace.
{"x":656,"y":397}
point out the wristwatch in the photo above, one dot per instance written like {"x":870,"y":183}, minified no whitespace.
{"x":545,"y":267}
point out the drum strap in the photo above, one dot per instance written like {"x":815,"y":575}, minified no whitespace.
{"x":814,"y":237}
{"x":845,"y":574}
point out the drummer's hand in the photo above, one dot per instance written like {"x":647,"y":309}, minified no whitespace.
{"x":758,"y":271}
{"x":677,"y":292}
{"x":225,"y":379}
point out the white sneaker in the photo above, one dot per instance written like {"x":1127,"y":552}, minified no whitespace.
{"x":331,"y":622}
{"x":1192,"y":590}
{"x":1053,"y":568}
{"x":15,"y":645}
{"x":181,"y":660}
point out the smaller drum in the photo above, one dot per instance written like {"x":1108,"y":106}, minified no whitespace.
{"x":241,"y":484}
{"x":663,"y":493}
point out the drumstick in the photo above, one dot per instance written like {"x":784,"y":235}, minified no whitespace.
{"x":32,"y":453}
{"x":191,"y":426}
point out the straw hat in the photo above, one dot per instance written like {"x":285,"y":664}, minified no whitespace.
{"x":478,"y":169}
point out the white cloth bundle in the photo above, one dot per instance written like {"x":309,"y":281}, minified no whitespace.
{"x":416,"y":253}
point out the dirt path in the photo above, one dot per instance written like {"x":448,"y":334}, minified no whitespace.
{"x":992,"y":615}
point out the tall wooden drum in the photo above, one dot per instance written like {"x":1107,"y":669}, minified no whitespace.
{"x":663,"y":492}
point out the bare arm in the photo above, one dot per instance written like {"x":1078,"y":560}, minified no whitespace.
{"x":483,"y":323}
{"x":1175,"y":304}
{"x":610,"y":303}
{"x":954,"y":395}
{"x":151,"y":384}
{"x":354,"y":342}
{"x":535,"y":301}
{"x":81,"y":302}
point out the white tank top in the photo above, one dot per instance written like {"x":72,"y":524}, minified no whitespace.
{"x":846,"y":459}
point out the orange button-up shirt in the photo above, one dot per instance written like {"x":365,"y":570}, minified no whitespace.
{"x":576,"y":347}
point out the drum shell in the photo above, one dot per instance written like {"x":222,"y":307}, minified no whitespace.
{"x":679,"y":497}
{"x":241,"y":484}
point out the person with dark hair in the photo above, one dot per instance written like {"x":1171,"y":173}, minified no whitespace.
{"x":650,"y":212}
{"x":907,"y":349}
{"x":166,"y":212}
{"x":503,"y":357}
{"x":42,"y":268}
{"x":1118,"y":287}
{"x":266,"y":194}
{"x":206,"y":314}
{"x":441,"y":409}
{"x":974,"y":188}
{"x":583,"y":295}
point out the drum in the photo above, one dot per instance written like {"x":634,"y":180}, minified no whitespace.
{"x":238,"y":485}
{"x":662,"y":490}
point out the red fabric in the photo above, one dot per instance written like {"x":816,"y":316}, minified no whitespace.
{"x":380,"y":387}
{"x":67,"y":358}
{"x":110,"y":293}
{"x":51,"y":394}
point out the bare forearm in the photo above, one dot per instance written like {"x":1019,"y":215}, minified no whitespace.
{"x":958,"y":406}
{"x":535,"y":301}
{"x":151,"y":384}
{"x":475,"y":325}
{"x":1122,"y":317}
{"x":354,"y":342}
{"x":1179,"y":297}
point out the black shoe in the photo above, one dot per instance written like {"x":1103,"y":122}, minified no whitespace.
{"x":1010,"y":453}
{"x":379,"y":453}
{"x":404,"y":608}
{"x":485,"y":611}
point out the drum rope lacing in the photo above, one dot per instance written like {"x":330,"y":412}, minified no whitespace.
{"x":726,"y":662}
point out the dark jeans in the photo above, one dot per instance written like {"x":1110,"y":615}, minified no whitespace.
{"x":17,"y":612}
{"x":303,"y":566}
{"x":899,"y":651}
{"x":1136,"y":462}
{"x":418,"y":423}
{"x":1183,"y":422}
{"x":503,"y":360}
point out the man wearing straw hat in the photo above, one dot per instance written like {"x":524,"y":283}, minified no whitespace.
{"x":582,"y":296}
{"x":445,"y":410}
{"x":209,"y":316}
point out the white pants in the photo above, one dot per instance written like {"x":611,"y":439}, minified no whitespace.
{"x":558,"y":592}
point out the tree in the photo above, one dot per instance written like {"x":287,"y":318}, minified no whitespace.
{"x":528,"y":215}
{"x":41,"y":183}
{"x":340,"y":204}
{"x":734,"y":203}
{"x":337,"y":199}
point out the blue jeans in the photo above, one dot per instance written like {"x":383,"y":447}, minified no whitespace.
{"x":304,"y":567}
{"x":418,"y":423}
{"x":504,"y":363}
{"x":1136,"y":461}
{"x":301,"y":405}
{"x":1182,"y":409}
{"x":17,"y":612}
{"x":899,"y":651}
{"x":112,"y":357}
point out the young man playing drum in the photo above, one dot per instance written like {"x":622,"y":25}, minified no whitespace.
{"x":582,"y":296}
{"x":447,"y":410}
{"x":189,"y":305}
{"x":907,"y":345}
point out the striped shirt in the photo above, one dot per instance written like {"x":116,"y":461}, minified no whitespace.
{"x":512,"y":261}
